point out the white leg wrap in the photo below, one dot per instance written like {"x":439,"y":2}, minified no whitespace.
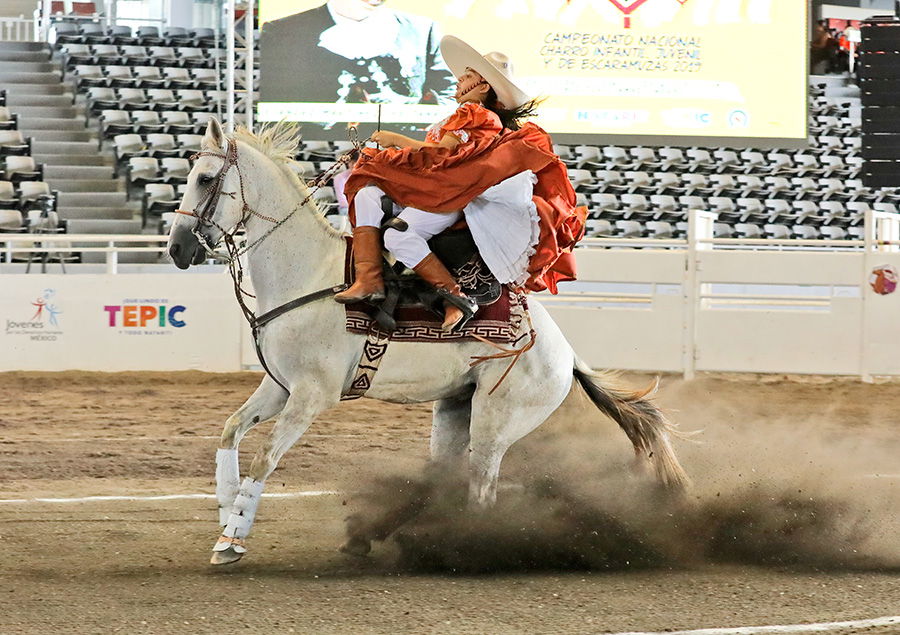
{"x":243,"y":511}
{"x":228,"y":482}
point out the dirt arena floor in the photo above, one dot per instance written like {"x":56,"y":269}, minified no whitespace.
{"x":792,"y":519}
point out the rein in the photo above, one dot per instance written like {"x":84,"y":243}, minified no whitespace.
{"x":204,"y":211}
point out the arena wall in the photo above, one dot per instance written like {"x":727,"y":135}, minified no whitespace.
{"x":703,"y":304}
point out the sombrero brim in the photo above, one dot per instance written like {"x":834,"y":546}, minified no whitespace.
{"x":459,"y":56}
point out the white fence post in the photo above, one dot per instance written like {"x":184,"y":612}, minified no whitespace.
{"x":700,"y":227}
{"x":248,"y":62}
{"x":229,"y":65}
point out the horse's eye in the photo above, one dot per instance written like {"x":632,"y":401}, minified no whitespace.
{"x":205,"y":179}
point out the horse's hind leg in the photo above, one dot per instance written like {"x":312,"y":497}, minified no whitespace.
{"x":534,"y":389}
{"x":449,"y":442}
{"x":266,"y":401}
{"x":292,"y":422}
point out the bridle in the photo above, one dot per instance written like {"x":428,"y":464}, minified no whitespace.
{"x":206,"y":209}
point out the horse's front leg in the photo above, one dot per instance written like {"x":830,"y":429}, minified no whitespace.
{"x":293,"y":421}
{"x":265,"y":402}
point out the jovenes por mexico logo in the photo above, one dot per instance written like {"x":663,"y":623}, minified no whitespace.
{"x":43,"y":321}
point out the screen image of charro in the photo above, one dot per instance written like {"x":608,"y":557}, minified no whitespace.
{"x":355,"y":52}
{"x":655,"y":68}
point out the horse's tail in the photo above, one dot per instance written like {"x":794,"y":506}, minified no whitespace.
{"x":646,"y":426}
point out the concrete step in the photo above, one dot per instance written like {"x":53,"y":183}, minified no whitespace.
{"x":64,"y":147}
{"x":92,"y":199}
{"x":85,"y":185}
{"x":43,"y":66}
{"x":24,"y":46}
{"x":93,"y":172}
{"x":110,"y":213}
{"x":39,"y":89}
{"x":42,"y":134}
{"x":104,"y":226}
{"x":15,"y":100}
{"x":12,"y":77}
{"x":25,"y":56}
{"x":73,"y":160}
{"x":28,"y":122}
{"x":54,"y":112}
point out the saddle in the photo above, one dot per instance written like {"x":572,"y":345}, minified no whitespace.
{"x":456,"y":249}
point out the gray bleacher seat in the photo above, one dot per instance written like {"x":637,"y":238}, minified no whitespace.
{"x":834,"y":232}
{"x":616,"y":157}
{"x":162,"y":55}
{"x":778,"y":209}
{"x":36,"y":195}
{"x":689,"y":203}
{"x":147,"y":122}
{"x":777,"y":184}
{"x":128,"y":145}
{"x":175,"y":170}
{"x":162,"y":145}
{"x":723,"y":230}
{"x":748,"y":230}
{"x":804,"y":186}
{"x":700,"y":160}
{"x":856,"y":211}
{"x":177,"y":77}
{"x":205,"y":78}
{"x":726,"y":159}
{"x":141,"y":171}
{"x":133,"y":99}
{"x":11,"y":220}
{"x":588,"y":156}
{"x":159,"y":198}
{"x":751,"y":209}
{"x":21,"y":168}
{"x":663,"y":204}
{"x":777,"y":231}
{"x":148,"y":77}
{"x":660,"y":229}
{"x":193,"y":100}
{"x":106,"y":54}
{"x":120,"y":77}
{"x":635,"y":205}
{"x":189,"y":143}
{"x":9,"y":198}
{"x":177,"y":122}
{"x":192,"y":56}
{"x":806,"y":211}
{"x":629,"y":229}
{"x":134,"y":55}
{"x":725,"y":207}
{"x":805,"y":232}
{"x":599,"y":228}
{"x":644,"y":158}
{"x":581,"y":178}
{"x":831,"y":211}
{"x":671,"y":158}
{"x":667,"y":182}
{"x":8,"y":121}
{"x":13,"y":143}
{"x":605,"y":202}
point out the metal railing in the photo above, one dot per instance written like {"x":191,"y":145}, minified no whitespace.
{"x":19,"y":29}
{"x":15,"y":246}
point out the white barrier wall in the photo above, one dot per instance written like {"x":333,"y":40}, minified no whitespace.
{"x":679,"y":306}
{"x":119,"y":322}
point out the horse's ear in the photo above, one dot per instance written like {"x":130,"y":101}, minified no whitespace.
{"x":215,"y":136}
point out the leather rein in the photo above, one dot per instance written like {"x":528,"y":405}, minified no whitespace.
{"x":204,"y":212}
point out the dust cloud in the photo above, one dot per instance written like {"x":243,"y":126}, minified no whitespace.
{"x":782,"y":477}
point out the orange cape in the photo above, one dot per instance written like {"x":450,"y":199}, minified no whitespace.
{"x":441,"y":180}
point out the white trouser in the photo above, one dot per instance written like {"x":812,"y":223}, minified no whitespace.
{"x":409,"y":247}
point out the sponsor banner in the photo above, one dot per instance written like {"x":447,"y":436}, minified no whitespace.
{"x":119,"y":322}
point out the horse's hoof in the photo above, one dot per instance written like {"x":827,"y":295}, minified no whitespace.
{"x":225,"y":557}
{"x":357,"y":546}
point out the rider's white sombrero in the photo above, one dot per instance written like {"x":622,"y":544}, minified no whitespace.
{"x":494,"y":67}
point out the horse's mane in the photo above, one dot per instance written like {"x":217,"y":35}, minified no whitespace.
{"x":279,"y":142}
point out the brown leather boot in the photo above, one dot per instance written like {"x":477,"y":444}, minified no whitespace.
{"x":458,"y":307}
{"x":369,"y":284}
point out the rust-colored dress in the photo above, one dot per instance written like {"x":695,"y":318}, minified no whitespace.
{"x":440,"y":180}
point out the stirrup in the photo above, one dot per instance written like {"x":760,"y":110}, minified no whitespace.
{"x":467,"y":305}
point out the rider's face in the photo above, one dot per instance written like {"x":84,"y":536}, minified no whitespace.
{"x":355,"y":9}
{"x":471,"y":86}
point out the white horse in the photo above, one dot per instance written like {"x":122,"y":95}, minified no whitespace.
{"x":309,"y":351}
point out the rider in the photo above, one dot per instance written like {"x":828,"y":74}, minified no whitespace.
{"x":481,"y":153}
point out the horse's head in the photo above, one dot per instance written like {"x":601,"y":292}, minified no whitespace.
{"x":213,"y":203}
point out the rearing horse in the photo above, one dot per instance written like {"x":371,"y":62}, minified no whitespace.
{"x":295,"y":252}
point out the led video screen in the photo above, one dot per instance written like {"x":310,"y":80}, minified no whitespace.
{"x":653,"y":68}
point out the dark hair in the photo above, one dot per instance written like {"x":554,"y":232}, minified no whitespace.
{"x":511,"y":118}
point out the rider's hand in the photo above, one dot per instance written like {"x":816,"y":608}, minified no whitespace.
{"x":385,"y":138}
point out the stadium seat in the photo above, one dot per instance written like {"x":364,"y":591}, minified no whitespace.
{"x":175,"y":170}
{"x":13,"y":143}
{"x":22,"y":168}
{"x":9,"y":198}
{"x":159,"y":199}
{"x":12,"y":221}
{"x":8,"y":121}
{"x":629,"y":229}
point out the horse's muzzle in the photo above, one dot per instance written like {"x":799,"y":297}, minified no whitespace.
{"x":184,"y":248}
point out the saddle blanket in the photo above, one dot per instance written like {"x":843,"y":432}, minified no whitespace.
{"x":499,"y":322}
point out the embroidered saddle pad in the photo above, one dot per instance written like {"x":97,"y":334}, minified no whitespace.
{"x":498,"y":322}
